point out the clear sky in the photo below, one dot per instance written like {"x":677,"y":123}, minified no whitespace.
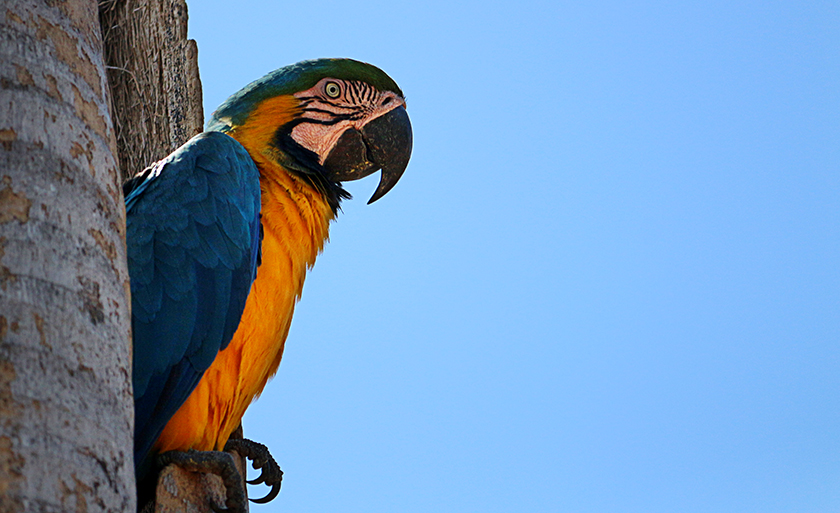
{"x":609,"y":280}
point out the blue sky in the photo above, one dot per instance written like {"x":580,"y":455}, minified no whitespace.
{"x":607,"y":282}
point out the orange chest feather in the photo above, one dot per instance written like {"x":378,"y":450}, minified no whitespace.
{"x":295,"y":221}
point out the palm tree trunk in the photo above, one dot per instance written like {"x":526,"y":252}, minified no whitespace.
{"x":65,"y":390}
{"x":153,"y":72}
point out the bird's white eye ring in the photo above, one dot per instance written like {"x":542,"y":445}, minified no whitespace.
{"x":332,"y":89}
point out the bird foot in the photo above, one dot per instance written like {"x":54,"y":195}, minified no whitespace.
{"x":212,"y":462}
{"x":261,"y":459}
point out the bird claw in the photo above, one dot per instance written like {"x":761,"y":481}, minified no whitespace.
{"x":257,"y":481}
{"x":261,"y":459}
{"x":212,"y":462}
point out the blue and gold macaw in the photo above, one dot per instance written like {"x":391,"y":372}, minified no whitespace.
{"x":220,"y":235}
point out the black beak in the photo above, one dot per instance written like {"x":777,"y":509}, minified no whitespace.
{"x":384,"y":143}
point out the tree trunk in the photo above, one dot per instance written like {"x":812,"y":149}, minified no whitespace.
{"x":153,"y":72}
{"x":65,"y":390}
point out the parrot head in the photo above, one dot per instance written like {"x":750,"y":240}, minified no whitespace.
{"x":329,"y":120}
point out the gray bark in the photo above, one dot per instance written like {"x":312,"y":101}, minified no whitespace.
{"x":65,"y":391}
{"x":153,"y":72}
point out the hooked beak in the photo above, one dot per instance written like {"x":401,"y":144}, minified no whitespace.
{"x":384,"y":143}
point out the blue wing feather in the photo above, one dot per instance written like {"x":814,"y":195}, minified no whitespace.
{"x":193,"y":238}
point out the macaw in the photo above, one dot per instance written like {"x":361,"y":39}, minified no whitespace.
{"x":220,"y":235}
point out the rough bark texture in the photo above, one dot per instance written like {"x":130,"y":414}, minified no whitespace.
{"x":153,"y":72}
{"x":179,"y":490}
{"x":65,"y":390}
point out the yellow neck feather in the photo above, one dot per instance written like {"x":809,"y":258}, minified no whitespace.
{"x":258,"y":131}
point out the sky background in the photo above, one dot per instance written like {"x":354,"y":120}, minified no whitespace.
{"x":609,"y":280}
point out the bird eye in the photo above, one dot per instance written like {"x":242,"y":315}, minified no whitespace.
{"x":332,"y":89}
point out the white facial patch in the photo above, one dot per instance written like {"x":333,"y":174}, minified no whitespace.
{"x":331,"y":114}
